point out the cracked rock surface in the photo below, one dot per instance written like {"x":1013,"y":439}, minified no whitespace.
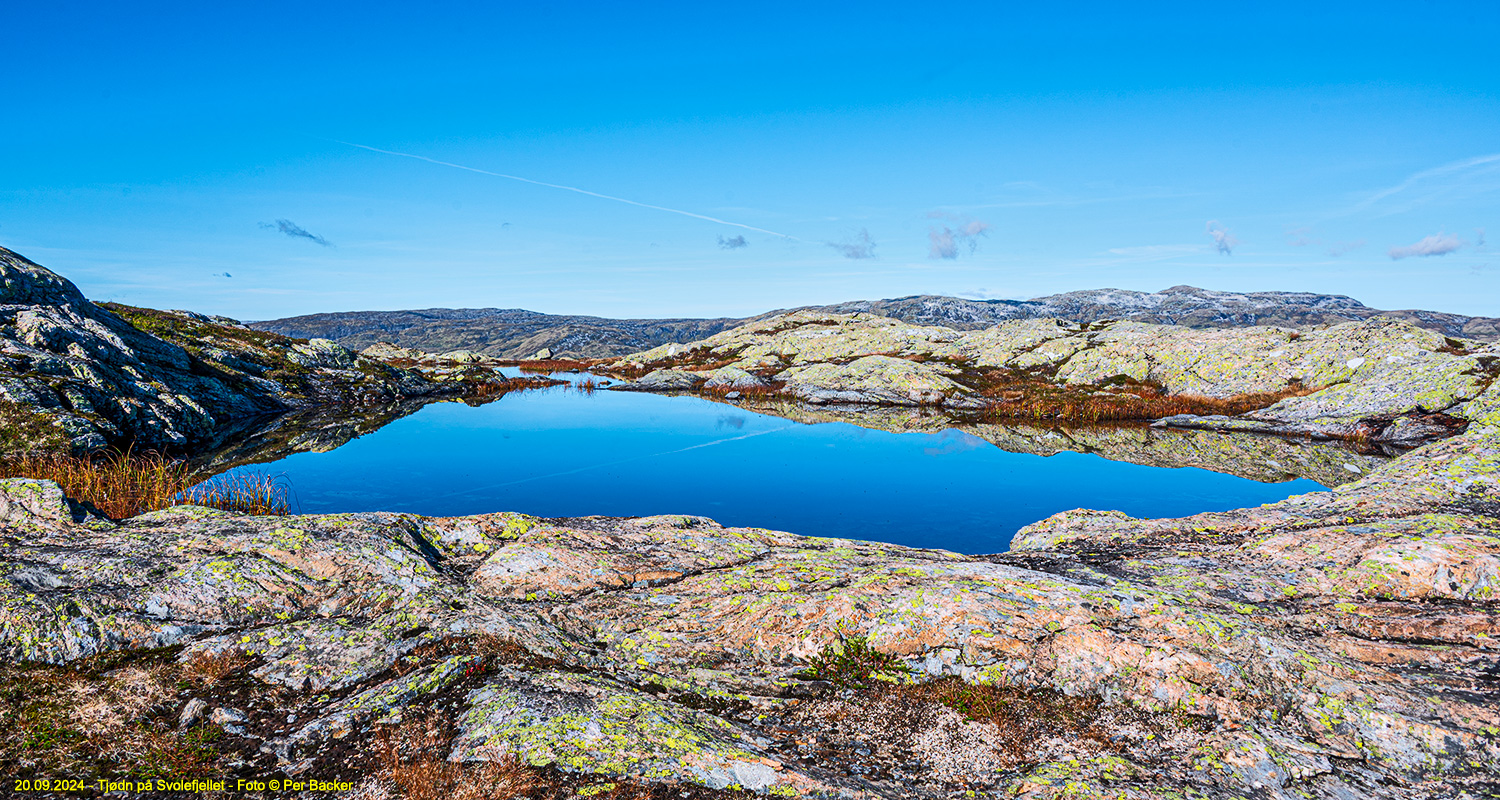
{"x":1336,"y":644}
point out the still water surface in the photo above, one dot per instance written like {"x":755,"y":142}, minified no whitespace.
{"x":562,"y":453}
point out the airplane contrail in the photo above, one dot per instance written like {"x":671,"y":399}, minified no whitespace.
{"x":570,"y":189}
{"x":1445,"y":169}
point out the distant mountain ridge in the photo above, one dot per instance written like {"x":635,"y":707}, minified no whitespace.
{"x":517,"y":333}
{"x":501,"y":332}
{"x":1180,"y":305}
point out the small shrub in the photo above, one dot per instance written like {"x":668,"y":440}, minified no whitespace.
{"x":852,"y":662}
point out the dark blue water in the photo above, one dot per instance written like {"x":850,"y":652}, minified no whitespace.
{"x":559,"y":452}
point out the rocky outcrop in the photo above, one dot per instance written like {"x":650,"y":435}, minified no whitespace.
{"x":1378,"y":380}
{"x":1336,"y":644}
{"x":78,"y":376}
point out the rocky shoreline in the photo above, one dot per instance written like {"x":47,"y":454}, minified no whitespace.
{"x":1336,"y":644}
{"x":1339,"y":644}
{"x":1380,"y":380}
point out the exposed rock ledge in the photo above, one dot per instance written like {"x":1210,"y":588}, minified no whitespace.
{"x":1380,"y":380}
{"x":1333,"y":645}
{"x":78,"y":376}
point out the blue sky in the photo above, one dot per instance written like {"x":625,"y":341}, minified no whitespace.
{"x":150,"y":152}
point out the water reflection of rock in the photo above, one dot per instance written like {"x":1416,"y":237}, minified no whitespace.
{"x":1268,"y":459}
{"x":313,"y":430}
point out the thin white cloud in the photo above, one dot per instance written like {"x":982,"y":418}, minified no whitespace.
{"x":1438,"y":244}
{"x":982,"y":293}
{"x":1155,"y":251}
{"x":1465,"y":169}
{"x":704,"y":217}
{"x":1344,"y":247}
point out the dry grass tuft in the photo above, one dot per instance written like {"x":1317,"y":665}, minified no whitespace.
{"x":241,"y":493}
{"x":481,"y":390}
{"x":771,"y":391}
{"x":205,"y":669}
{"x":119,"y":484}
{"x":123,"y":484}
{"x":413,"y":758}
{"x":78,"y":721}
{"x":551,"y":365}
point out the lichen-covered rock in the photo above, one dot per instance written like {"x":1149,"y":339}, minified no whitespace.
{"x":732,"y":378}
{"x":594,"y":724}
{"x":96,"y":375}
{"x":664,"y":380}
{"x":1370,"y":380}
{"x":1336,"y":644}
{"x":877,"y":380}
{"x":387,"y":351}
{"x":803,"y":337}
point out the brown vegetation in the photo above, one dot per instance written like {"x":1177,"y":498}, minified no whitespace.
{"x":1017,"y":394}
{"x":413,"y":759}
{"x":772,"y":390}
{"x":551,"y":365}
{"x":479,"y":391}
{"x":109,"y":716}
{"x":241,"y":493}
{"x":124,"y":484}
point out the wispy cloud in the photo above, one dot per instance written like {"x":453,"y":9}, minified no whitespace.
{"x":733,"y":243}
{"x":945,"y":242}
{"x":857,"y":245}
{"x":704,"y":217}
{"x":294,"y":230}
{"x":1030,"y":194}
{"x":1302,"y":237}
{"x":1438,"y":244}
{"x":982,"y":293}
{"x":1224,"y":241}
{"x":1344,"y":247}
{"x":1151,"y":252}
{"x":1454,"y":177}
